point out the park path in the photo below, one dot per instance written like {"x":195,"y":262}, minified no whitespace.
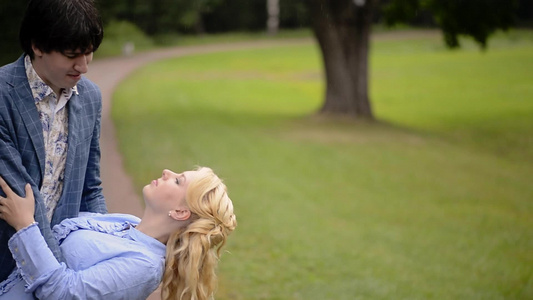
{"x":107,"y":73}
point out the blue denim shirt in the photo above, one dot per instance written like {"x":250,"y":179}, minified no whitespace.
{"x":106,"y":258}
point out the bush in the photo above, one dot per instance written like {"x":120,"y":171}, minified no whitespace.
{"x":118,"y":34}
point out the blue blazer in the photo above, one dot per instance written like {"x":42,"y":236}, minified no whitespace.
{"x":22,"y":154}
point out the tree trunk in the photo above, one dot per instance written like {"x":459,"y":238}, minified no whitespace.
{"x":199,"y":27}
{"x":342,"y":28}
{"x":273,"y":17}
{"x":156,"y":9}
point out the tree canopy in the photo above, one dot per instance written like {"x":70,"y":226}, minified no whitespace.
{"x":342,"y":28}
{"x":476,"y":18}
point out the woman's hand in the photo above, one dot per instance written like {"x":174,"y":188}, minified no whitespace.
{"x":17,"y":211}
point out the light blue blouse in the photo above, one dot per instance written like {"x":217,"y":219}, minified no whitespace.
{"x":106,"y":258}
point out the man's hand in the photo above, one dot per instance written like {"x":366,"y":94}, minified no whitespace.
{"x":17,"y":211}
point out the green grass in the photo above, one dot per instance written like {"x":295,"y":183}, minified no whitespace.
{"x":433,"y":202}
{"x":481,"y":98}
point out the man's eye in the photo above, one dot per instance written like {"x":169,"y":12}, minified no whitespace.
{"x":177,"y":181}
{"x":72,"y":55}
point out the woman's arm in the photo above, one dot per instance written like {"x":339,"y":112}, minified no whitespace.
{"x":133,"y":275}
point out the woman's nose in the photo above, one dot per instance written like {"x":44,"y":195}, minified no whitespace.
{"x":167,"y":173}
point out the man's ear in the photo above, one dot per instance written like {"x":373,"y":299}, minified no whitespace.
{"x":180,"y":214}
{"x":36,"y":51}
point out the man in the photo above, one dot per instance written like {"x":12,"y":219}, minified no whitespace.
{"x":50,"y":117}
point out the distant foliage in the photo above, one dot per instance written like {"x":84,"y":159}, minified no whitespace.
{"x":11,"y":13}
{"x":119,"y":34}
{"x":157,"y":17}
{"x":476,"y":18}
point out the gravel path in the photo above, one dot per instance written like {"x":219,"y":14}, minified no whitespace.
{"x":107,"y":73}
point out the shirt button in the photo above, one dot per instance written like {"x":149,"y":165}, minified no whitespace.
{"x":17,"y":249}
{"x":23,"y":262}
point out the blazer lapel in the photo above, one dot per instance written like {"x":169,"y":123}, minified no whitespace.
{"x":75,"y":113}
{"x":30,"y":116}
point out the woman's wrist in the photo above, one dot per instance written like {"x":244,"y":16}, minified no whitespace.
{"x":21,"y":225}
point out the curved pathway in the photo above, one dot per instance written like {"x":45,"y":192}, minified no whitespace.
{"x":107,"y":73}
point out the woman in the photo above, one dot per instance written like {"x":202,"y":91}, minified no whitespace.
{"x":118,"y":256}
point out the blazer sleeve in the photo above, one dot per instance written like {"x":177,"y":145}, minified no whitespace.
{"x":92,"y":197}
{"x":15,"y":144}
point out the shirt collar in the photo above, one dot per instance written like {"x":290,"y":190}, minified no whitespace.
{"x":154,"y":245}
{"x":39,"y":88}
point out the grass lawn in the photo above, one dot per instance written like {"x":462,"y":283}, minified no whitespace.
{"x":432,"y":202}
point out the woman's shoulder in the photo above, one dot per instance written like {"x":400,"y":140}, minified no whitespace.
{"x":115,"y":217}
{"x":105,"y":223}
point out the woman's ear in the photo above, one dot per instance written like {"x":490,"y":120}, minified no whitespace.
{"x":180,"y":214}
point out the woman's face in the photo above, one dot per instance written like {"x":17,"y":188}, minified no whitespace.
{"x":168,"y":192}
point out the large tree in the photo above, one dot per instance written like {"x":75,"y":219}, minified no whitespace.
{"x":343,"y":27}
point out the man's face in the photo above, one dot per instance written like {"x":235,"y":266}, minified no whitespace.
{"x":61,"y":70}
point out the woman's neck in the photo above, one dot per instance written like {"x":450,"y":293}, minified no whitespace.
{"x":155,"y":227}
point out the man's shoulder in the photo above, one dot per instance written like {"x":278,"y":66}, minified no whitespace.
{"x":12,"y":72}
{"x":9,"y":67}
{"x":13,"y":77}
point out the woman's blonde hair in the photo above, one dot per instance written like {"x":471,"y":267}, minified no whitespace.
{"x":193,"y":252}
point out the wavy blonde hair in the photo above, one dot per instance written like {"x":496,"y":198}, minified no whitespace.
{"x":193,"y":252}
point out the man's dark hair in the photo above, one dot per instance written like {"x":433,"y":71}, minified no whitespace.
{"x":61,"y":25}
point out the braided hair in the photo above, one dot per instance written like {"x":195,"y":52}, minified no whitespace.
{"x":193,"y":251}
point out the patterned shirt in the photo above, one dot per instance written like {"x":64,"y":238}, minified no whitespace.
{"x":54,"y":118}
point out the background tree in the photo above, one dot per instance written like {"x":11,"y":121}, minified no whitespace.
{"x":237,"y":15}
{"x":11,"y":13}
{"x":342,"y":28}
{"x":191,"y":14}
{"x":476,"y":18}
